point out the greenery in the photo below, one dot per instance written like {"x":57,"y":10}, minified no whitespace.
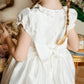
{"x":78,"y":5}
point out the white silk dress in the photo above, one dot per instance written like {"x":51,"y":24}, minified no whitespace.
{"x":46,"y":62}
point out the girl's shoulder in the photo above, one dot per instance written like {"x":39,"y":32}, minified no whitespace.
{"x":25,"y":11}
{"x":72,"y":17}
{"x":72,"y":14}
{"x":72,"y":11}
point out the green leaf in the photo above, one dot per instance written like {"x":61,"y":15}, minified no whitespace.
{"x":80,"y":13}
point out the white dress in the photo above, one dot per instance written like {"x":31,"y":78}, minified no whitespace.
{"x":47,"y":62}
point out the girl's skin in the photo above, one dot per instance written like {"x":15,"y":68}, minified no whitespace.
{"x":20,"y":51}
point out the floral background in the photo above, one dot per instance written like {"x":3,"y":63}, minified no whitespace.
{"x":78,"y":5}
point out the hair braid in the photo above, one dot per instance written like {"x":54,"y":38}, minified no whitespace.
{"x":35,"y":2}
{"x":65,"y":35}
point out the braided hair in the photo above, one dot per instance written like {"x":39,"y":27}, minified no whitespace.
{"x":35,"y":2}
{"x":65,"y":35}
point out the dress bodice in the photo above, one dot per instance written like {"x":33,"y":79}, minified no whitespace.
{"x":45,"y":26}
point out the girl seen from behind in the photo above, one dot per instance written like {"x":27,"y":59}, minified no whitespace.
{"x":41,"y":56}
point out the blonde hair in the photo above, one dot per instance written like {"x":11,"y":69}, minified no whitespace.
{"x":65,"y":35}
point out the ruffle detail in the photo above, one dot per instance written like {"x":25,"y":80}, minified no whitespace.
{"x":24,"y":19}
{"x":48,"y":11}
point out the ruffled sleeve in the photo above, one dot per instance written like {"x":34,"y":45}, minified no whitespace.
{"x":72,"y":19}
{"x":24,"y":19}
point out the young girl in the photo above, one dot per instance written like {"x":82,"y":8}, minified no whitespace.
{"x":41,"y":55}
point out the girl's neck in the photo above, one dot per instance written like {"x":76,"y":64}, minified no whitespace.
{"x":51,"y":4}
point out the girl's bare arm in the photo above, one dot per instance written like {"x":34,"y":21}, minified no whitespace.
{"x":20,"y":51}
{"x":73,"y":40}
